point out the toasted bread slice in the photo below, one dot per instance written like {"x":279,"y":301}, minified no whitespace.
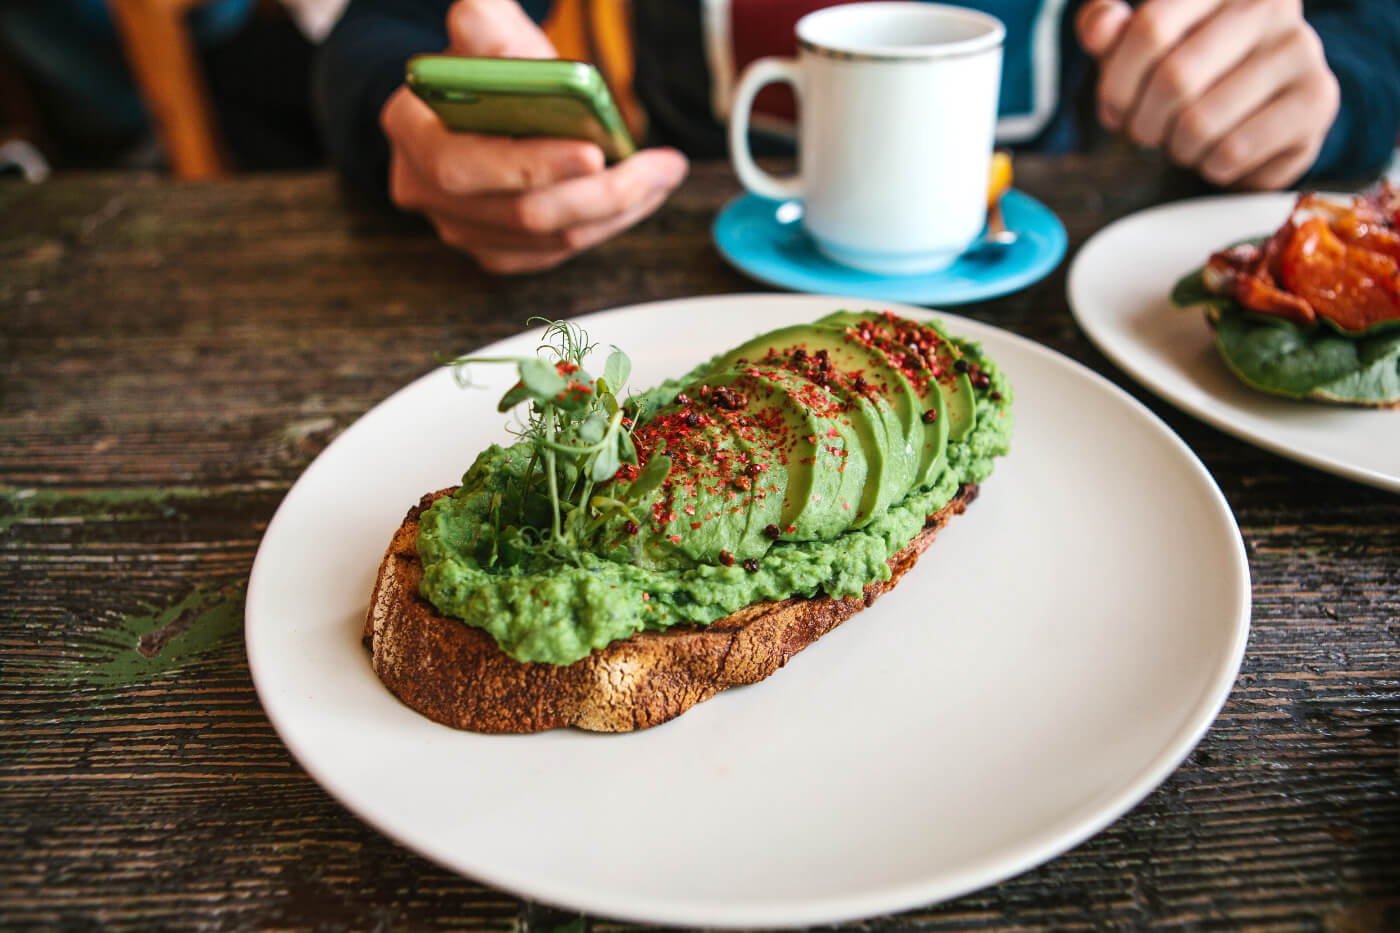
{"x":455,"y":674}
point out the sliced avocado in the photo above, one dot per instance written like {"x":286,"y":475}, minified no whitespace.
{"x":937,"y":427}
{"x":951,"y":376}
{"x":841,"y":447}
{"x":801,"y":434}
{"x":924,"y":419}
{"x":878,"y":433}
{"x":886,"y":415}
{"x":723,"y":490}
{"x":926,"y":412}
{"x":741,"y":490}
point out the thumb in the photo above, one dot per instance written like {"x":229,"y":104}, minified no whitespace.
{"x":495,"y":29}
{"x":1099,"y":24}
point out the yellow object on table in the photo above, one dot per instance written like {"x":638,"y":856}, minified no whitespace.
{"x":999,"y":181}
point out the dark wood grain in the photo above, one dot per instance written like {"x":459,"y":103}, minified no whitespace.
{"x":174,"y":355}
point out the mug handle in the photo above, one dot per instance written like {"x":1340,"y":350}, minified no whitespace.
{"x":761,"y":72}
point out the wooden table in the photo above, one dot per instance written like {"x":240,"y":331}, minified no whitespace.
{"x":174,"y":355}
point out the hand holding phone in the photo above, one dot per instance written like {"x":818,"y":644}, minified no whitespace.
{"x":521,"y":97}
{"x":514,"y":203}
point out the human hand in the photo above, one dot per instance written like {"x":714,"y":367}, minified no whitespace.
{"x":1237,"y":90}
{"x":514,"y":205}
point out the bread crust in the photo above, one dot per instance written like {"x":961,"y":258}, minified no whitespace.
{"x":455,"y":674}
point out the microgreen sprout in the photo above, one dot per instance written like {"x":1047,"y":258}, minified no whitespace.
{"x":579,"y":433}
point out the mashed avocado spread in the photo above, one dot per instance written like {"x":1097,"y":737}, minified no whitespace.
{"x":796,"y":464}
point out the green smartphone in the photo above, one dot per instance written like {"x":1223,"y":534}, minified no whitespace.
{"x":521,"y":97}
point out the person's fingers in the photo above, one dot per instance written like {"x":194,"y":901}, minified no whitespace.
{"x":474,"y":239}
{"x":1293,"y":65}
{"x":513,"y":253}
{"x":586,"y":199}
{"x":460,"y":164}
{"x":1154,"y":30}
{"x":469,"y":236}
{"x":515,"y":248}
{"x":510,"y":262}
{"x":495,"y":29}
{"x":1280,"y":171}
{"x":1294,"y":120}
{"x":585,"y":236}
{"x":1099,"y":24}
{"x":1199,"y":61}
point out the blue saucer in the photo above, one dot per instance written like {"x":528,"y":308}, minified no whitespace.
{"x":750,"y":236}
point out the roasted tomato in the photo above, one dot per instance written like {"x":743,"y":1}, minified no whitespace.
{"x":1352,"y":286}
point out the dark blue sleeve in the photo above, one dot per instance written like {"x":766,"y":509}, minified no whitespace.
{"x":1362,"y":41}
{"x":360,"y":64}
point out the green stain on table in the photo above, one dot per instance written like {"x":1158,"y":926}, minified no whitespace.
{"x":143,"y":647}
{"x":114,"y":504}
{"x":39,"y":505}
{"x":146,"y":646}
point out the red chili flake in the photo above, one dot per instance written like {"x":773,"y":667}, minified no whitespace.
{"x":832,"y":432}
{"x":751,"y":565}
{"x":690,"y":510}
{"x":646,"y":596}
{"x":790,"y":529}
{"x":630,"y":527}
{"x":675,"y":539}
{"x":694,"y":525}
{"x":742,"y":483}
{"x":726,"y":558}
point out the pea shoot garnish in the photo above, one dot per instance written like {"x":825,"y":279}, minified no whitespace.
{"x":579,"y":432}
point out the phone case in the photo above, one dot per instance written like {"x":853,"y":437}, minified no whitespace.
{"x":521,"y":97}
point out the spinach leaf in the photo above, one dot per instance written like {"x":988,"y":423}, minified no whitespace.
{"x":1279,"y":357}
{"x":1190,"y":292}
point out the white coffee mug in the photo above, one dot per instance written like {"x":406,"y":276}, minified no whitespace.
{"x":897,"y":109}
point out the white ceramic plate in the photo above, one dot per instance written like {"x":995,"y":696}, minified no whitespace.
{"x":1118,"y":289}
{"x":1056,"y":654}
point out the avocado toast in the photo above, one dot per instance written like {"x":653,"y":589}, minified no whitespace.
{"x":627,"y":560}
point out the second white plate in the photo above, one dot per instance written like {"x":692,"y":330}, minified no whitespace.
{"x":1039,"y":672}
{"x":1118,"y":290}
